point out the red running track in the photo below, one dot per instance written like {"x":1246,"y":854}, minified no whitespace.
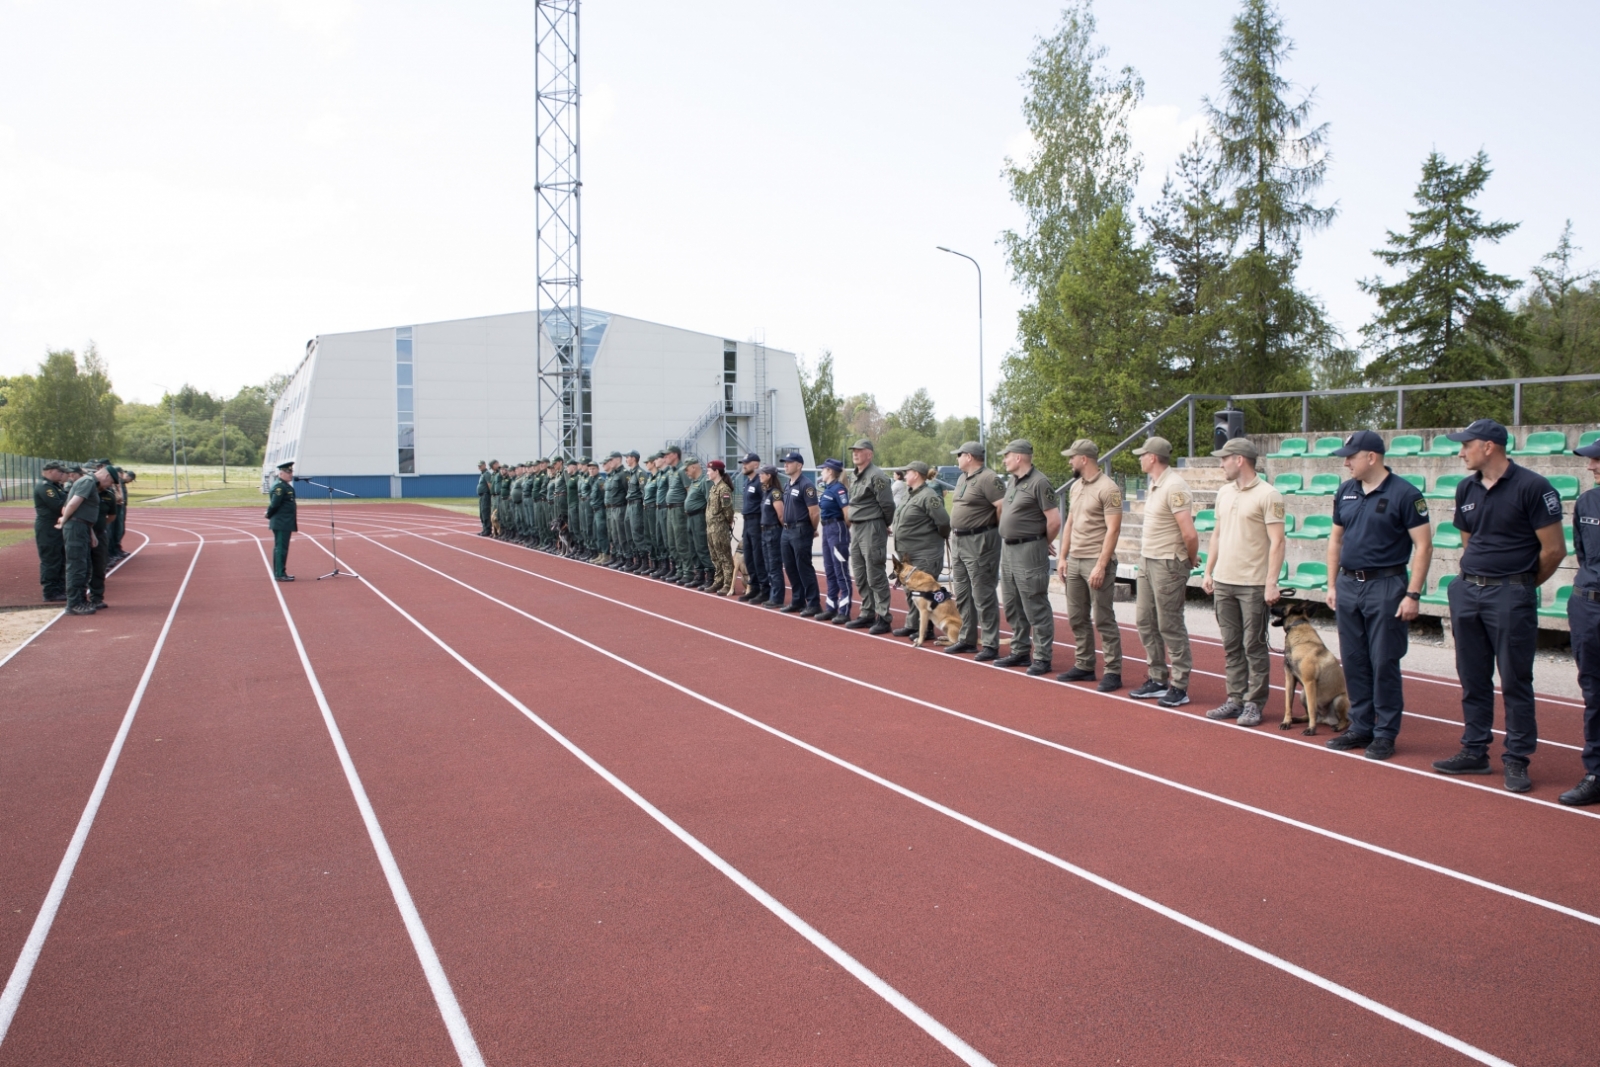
{"x":1026,"y":870}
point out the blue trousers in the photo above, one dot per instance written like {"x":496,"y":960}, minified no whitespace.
{"x":797,"y":563}
{"x":1372,"y":641}
{"x":1583,"y":615}
{"x":772,"y":556}
{"x":755,"y":567}
{"x":836,"y":565}
{"x":1496,"y":626}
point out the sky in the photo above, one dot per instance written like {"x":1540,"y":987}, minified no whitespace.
{"x":201,"y":186}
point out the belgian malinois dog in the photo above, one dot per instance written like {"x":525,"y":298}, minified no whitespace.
{"x":933,"y":604}
{"x":1307,"y":662}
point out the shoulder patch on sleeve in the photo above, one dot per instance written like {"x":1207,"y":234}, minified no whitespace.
{"x":1421,"y":506}
{"x":1114,"y":498}
{"x":1277,"y":509}
{"x":1180,"y":500}
{"x":1552,"y":502}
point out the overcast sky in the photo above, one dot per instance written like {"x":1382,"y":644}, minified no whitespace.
{"x":200,"y":186}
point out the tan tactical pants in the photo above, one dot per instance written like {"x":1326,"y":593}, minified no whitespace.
{"x":1163,"y":586}
{"x":1081,"y":598}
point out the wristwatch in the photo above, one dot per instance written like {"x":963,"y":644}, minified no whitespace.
{"x":1413,"y":596}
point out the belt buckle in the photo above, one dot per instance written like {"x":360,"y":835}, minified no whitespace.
{"x":1359,"y":576}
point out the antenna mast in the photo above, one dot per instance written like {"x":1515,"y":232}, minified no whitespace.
{"x":557,"y":256}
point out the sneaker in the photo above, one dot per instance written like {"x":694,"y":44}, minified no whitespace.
{"x":1517,"y":779}
{"x":1015,"y":659}
{"x":1075,"y":674}
{"x":1463,"y":762}
{"x":986,"y":654}
{"x":879,"y":627}
{"x":1251,"y":715}
{"x":1038,"y":667}
{"x":1585,"y":792}
{"x":1380,"y":748}
{"x":960,"y":647}
{"x":1175,"y":698}
{"x":1229,"y":710}
{"x":1111,"y":682}
{"x":1349,"y":740}
{"x":1149,"y":690}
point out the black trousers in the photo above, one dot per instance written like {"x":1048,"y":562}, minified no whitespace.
{"x":755,"y":567}
{"x":75,"y":537}
{"x":99,"y":561}
{"x":483,"y":512}
{"x":280,"y":552}
{"x":772,"y":556}
{"x":1372,"y":642}
{"x":1583,"y":615}
{"x":797,"y":564}
{"x":1496,"y":626}
{"x":52,"y":561}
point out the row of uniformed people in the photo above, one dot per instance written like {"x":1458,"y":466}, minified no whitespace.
{"x":79,"y":516}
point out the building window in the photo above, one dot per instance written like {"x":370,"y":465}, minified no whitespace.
{"x":404,"y":404}
{"x":730,"y":373}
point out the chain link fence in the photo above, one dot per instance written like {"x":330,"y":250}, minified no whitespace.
{"x":17,"y":477}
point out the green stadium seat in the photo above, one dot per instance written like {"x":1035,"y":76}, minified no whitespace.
{"x":1325,"y":446}
{"x":1308,"y":576}
{"x":1445,"y":487}
{"x":1290,"y":448}
{"x":1442,"y":446}
{"x":1418,"y":480}
{"x":1558,"y":609}
{"x":1544,"y":443}
{"x":1407,"y":444}
{"x":1445,"y":535}
{"x":1315,"y":528}
{"x":1587,"y":439}
{"x":1321,"y":485}
{"x":1288,"y":483}
{"x":1288,"y":524}
{"x":1439,"y":598}
{"x":1201,"y":569}
{"x":1284,"y":573}
{"x":1566,"y":532}
{"x":1565,"y":484}
{"x":1205,"y":521}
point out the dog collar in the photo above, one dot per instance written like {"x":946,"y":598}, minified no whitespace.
{"x":1300,"y":621}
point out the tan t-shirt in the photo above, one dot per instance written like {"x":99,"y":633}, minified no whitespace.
{"x":1243,"y":515}
{"x":1088,"y":504}
{"x":1167,"y":495}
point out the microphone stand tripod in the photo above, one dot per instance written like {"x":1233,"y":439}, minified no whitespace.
{"x":333,"y":530}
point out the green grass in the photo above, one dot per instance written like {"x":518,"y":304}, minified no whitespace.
{"x":14,"y":537}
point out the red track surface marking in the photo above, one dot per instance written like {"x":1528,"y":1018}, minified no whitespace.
{"x":623,"y":632}
{"x":227,"y":907}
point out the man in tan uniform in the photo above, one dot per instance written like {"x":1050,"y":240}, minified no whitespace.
{"x":975,"y":554}
{"x":1242,"y":577}
{"x":1087,"y":565}
{"x":1169,"y":548}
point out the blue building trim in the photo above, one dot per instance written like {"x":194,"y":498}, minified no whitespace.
{"x":370,"y":486}
{"x":439,"y":485}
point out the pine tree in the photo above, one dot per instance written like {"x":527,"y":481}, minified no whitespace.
{"x":1191,"y":241}
{"x":1446,"y":320}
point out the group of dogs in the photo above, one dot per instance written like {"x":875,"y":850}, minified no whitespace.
{"x":1308,"y":664}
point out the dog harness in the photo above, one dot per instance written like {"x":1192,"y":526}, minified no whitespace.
{"x":938,"y":596}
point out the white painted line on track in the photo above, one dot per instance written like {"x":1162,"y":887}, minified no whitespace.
{"x":57,"y":617}
{"x":17,"y":984}
{"x":899,"y":1001}
{"x":1328,"y":985}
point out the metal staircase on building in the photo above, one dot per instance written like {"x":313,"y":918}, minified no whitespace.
{"x":719,"y":415}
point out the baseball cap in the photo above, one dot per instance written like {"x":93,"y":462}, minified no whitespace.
{"x":1361,"y":441}
{"x":691,"y":461}
{"x":1481,"y":430}
{"x":1239,"y":446}
{"x":918,"y":466}
{"x":632,"y":453}
{"x":1588,"y":451}
{"x":794,"y":457}
{"x":769,"y":469}
{"x":1082,"y":447}
{"x":833,"y":465}
{"x":54,"y":465}
{"x":750,"y":457}
{"x":971,"y":448}
{"x":1022,"y":446}
{"x":614,"y":455}
{"x":865,"y":442}
{"x":1156,"y":446}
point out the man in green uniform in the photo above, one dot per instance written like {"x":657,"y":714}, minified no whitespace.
{"x":574,"y":517}
{"x":921,"y":528}
{"x":694,"y":520}
{"x":633,"y":476}
{"x":100,"y":547}
{"x":483,"y":498}
{"x":1030,"y":518}
{"x":598,"y":477}
{"x":975,"y":553}
{"x":537,"y":486}
{"x":647,"y":520}
{"x":77,"y":521}
{"x":49,"y":497}
{"x":677,"y":523}
{"x":618,"y":550}
{"x":282,"y":520}
{"x":514,"y":527}
{"x":871,"y":512}
{"x":556,"y":495}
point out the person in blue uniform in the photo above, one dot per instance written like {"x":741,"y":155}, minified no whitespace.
{"x":833,"y":501}
{"x":772,"y":533}
{"x":1583,"y":615}
{"x":1379,"y":521}
{"x":282,"y":520}
{"x":755,"y":567}
{"x":1510,"y":523}
{"x":800,"y":522}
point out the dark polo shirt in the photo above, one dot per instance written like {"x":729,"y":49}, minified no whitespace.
{"x":1378,"y":525}
{"x":1502,"y":522}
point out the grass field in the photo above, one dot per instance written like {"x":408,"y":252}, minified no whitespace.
{"x":11,"y":537}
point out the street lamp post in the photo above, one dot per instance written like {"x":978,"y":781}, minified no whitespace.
{"x":974,"y":262}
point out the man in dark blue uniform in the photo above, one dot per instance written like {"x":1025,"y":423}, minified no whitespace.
{"x":1583,"y":615}
{"x":833,"y":501}
{"x":281,"y":518}
{"x":755,"y":566}
{"x":49,"y":497}
{"x":1510,"y":522}
{"x":801,"y":517}
{"x":1378,"y":520}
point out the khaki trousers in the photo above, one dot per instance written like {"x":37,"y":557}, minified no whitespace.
{"x":1242,"y":617}
{"x":1163,"y":587}
{"x":869,"y":544}
{"x":1081,"y":598}
{"x":975,"y":573}
{"x":1025,"y":588}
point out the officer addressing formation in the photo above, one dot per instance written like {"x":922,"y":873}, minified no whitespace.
{"x":674,"y":518}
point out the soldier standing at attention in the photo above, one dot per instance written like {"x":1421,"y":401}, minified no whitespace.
{"x":677,"y":523}
{"x":633,"y":510}
{"x":77,"y":521}
{"x":483,"y":498}
{"x":574,"y":495}
{"x":755,"y":567}
{"x":599,"y":531}
{"x":651,"y":546}
{"x":871,"y":512}
{"x":772,"y":534}
{"x":281,"y":519}
{"x":502,"y":499}
{"x":115,"y":526}
{"x":1087,"y":564}
{"x":1583,"y":615}
{"x":1029,"y":522}
{"x":514,"y":527}
{"x":719,"y":528}
{"x":127,"y":478}
{"x":1169,"y":547}
{"x":539,"y":487}
{"x":800,"y":520}
{"x":49,"y":497}
{"x":557,"y":497}
{"x":616,"y":508}
{"x":975,"y":554}
{"x":921,"y":528}
{"x":833,"y":508}
{"x":698,"y":575}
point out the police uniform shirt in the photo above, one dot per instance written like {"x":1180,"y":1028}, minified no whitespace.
{"x":48,"y":500}
{"x":831,"y":501}
{"x":1028,"y":501}
{"x":1586,"y":540}
{"x":1159,"y":536}
{"x":770,"y":498}
{"x":1377,"y":525}
{"x":1089,"y":501}
{"x":972,"y":503}
{"x":752,"y":495}
{"x":1502,"y":522}
{"x":800,"y":498}
{"x":87,"y":490}
{"x":871,"y":497}
{"x":920,"y":524}
{"x":1243,"y":514}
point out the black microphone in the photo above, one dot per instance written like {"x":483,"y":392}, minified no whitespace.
{"x":300,"y":479}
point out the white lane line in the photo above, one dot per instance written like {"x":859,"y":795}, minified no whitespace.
{"x":1205,"y":929}
{"x":57,"y":617}
{"x":455,"y":1020}
{"x":1148,"y":705}
{"x":899,"y":1001}
{"x":17,"y":984}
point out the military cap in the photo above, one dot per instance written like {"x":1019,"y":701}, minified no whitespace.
{"x":691,"y":461}
{"x":1082,"y":447}
{"x":672,"y":450}
{"x":632,"y":453}
{"x":794,"y":457}
{"x":918,"y":466}
{"x":54,"y":465}
{"x":73,"y":468}
{"x":833,"y":465}
{"x":863,"y":443}
{"x":1021,"y":446}
{"x":1156,"y":446}
{"x":614,"y":455}
{"x":289,"y":466}
{"x":971,"y":448}
{"x":1239,"y":446}
{"x":718,"y":465}
{"x":750,"y":457}
{"x":1481,"y":430}
{"x":1361,"y":441}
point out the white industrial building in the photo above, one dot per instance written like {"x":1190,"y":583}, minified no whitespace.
{"x":409,"y":411}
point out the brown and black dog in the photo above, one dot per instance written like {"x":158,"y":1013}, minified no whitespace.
{"x":933,"y":605}
{"x":1308,"y":662}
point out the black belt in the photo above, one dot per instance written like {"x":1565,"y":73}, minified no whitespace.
{"x":797,"y":525}
{"x":1588,"y":594}
{"x":975,"y":533}
{"x":1509,"y":579}
{"x":615,"y":507}
{"x":1373,"y":573}
{"x":669,"y":507}
{"x":858,"y":522}
{"x":686,"y":511}
{"x":1024,"y":540}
